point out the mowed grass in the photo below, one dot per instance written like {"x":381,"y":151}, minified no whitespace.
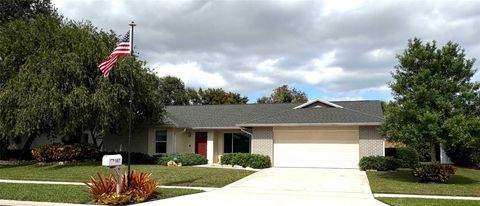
{"x":66,"y":193}
{"x":466,"y":182}
{"x":179,"y":176}
{"x":427,"y":202}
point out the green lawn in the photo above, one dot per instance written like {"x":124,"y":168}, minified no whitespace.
{"x":426,"y":202}
{"x":66,"y":193}
{"x":180,"y":176}
{"x":466,"y":182}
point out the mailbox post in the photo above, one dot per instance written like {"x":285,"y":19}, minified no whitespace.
{"x":114,"y":162}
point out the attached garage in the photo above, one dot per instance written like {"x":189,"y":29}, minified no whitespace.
{"x":322,"y":146}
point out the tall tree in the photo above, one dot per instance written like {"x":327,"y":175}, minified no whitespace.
{"x":14,"y":9}
{"x":173,"y":91}
{"x":283,"y":94}
{"x":193,"y":97}
{"x":50,"y":82}
{"x":220,"y":96}
{"x":434,"y":97}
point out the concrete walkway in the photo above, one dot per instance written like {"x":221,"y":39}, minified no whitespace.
{"x":287,"y":186}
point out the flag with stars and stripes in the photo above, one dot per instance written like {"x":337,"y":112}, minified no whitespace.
{"x":122,"y":49}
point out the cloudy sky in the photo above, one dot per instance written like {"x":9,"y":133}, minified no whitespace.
{"x":329,"y":49}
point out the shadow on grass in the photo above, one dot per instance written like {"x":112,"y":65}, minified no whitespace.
{"x":406,"y":176}
{"x":56,"y":166}
{"x":14,"y":166}
{"x":182,"y":182}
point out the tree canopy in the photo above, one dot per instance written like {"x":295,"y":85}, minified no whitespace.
{"x":220,"y":96}
{"x":284,"y":94}
{"x":15,"y":9}
{"x":50,"y":82}
{"x":435,"y":100}
{"x":174,"y":92}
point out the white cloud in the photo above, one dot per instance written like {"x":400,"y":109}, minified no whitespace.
{"x":345,"y":48}
{"x":191,"y":74}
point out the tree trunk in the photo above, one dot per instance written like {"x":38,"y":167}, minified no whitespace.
{"x":433,"y":153}
{"x":3,"y":149}
{"x":26,"y":147}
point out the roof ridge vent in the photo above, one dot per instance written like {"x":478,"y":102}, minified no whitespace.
{"x":317,"y":101}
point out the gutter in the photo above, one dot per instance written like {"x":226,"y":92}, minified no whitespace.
{"x":308,"y":124}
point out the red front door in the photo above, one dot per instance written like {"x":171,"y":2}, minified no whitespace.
{"x":201,"y":143}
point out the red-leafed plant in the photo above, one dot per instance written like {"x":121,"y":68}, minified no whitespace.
{"x":103,"y":190}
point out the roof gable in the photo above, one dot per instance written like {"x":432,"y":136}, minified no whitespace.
{"x":317,"y":103}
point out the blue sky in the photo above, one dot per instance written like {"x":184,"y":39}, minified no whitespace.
{"x":330,"y":49}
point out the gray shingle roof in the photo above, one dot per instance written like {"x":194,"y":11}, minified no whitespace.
{"x":232,"y":116}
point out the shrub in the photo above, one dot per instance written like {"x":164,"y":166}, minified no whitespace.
{"x":61,"y":152}
{"x":461,"y":155}
{"x":17,"y":154}
{"x":379,"y":163}
{"x":407,"y":156}
{"x":256,"y":161}
{"x":476,"y":158}
{"x":434,"y":172}
{"x":135,"y":157}
{"x":103,"y":190}
{"x":187,"y":159}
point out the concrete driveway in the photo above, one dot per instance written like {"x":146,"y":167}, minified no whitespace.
{"x":287,"y":186}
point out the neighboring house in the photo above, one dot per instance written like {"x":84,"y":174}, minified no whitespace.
{"x":318,"y":133}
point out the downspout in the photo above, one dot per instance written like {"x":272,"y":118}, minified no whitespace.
{"x":249,"y":133}
{"x":245,"y":131}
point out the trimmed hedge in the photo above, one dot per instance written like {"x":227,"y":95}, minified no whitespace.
{"x":434,"y":172}
{"x":379,"y":163}
{"x":256,"y":161}
{"x":187,"y":159}
{"x":61,"y":152}
{"x":135,"y":157}
{"x":407,"y":156}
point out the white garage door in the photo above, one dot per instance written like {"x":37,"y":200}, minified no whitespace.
{"x":328,"y":147}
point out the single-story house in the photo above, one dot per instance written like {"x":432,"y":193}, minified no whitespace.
{"x":319,"y":133}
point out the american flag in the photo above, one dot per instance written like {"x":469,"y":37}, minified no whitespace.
{"x":122,"y":49}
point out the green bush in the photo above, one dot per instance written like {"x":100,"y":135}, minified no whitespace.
{"x":434,"y":172}
{"x":135,"y":157}
{"x":461,"y":155}
{"x":476,"y":158}
{"x":256,"y":161}
{"x":407,"y":156}
{"x":379,"y":163}
{"x":187,"y":159}
{"x":17,"y":154}
{"x":61,"y":152}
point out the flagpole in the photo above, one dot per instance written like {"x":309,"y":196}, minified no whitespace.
{"x":132,"y":24}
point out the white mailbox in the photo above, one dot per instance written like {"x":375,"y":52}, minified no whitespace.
{"x":112,"y":160}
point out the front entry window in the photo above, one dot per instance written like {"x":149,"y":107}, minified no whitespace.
{"x":161,"y":141}
{"x":236,"y":143}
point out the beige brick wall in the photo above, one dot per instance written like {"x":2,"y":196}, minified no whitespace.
{"x":262,"y":141}
{"x":371,"y":143}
